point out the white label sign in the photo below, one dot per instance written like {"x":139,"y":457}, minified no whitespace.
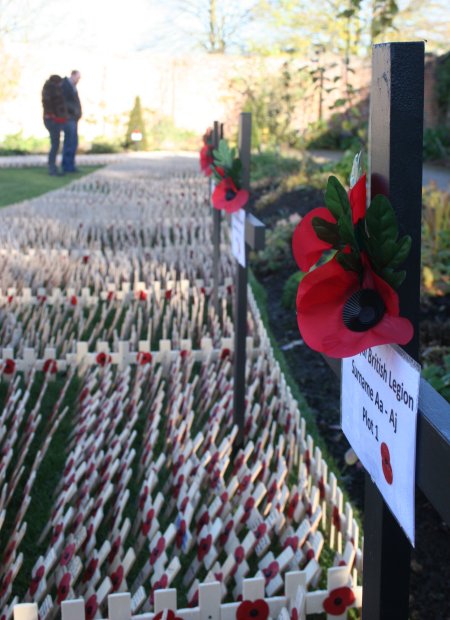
{"x":379,"y":401}
{"x":238,"y":236}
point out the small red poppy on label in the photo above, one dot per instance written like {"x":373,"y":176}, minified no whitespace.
{"x":386,"y":463}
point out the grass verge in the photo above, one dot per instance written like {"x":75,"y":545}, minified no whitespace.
{"x":23,"y":183}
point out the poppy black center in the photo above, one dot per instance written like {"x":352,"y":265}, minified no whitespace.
{"x":363,"y":310}
{"x":253,"y":613}
{"x":229,"y":194}
{"x":338,"y":601}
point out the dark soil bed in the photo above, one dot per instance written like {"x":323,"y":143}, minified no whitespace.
{"x":430,"y":560}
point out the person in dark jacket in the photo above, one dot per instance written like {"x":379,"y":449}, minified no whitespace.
{"x":70,"y":93}
{"x":55,"y":116}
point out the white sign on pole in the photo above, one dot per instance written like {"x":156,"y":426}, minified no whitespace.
{"x":238,"y":236}
{"x":379,"y":402}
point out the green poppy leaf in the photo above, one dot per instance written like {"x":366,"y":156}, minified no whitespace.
{"x":350,"y":262}
{"x":402,"y":251}
{"x":393,"y":278}
{"x":326,"y":231}
{"x":336,"y":199}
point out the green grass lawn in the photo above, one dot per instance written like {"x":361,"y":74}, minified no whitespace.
{"x":17,"y":184}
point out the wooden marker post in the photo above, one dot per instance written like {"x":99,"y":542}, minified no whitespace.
{"x":217,"y":135}
{"x":396,"y":170}
{"x":254,"y":239}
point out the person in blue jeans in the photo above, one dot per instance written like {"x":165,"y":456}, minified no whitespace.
{"x":55,"y":117}
{"x":72,"y":100}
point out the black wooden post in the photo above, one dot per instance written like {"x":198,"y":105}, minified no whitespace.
{"x":240,"y":310}
{"x":396,"y":127}
{"x":216,"y":233}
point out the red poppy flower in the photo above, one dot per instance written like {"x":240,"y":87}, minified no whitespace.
{"x":168,"y":294}
{"x":90,"y":571}
{"x":292,"y":542}
{"x":293,"y":503}
{"x":228,"y":197}
{"x":36,"y":580}
{"x":73,"y":300}
{"x":225,"y":353}
{"x":204,"y":520}
{"x":141,"y":296}
{"x":9,"y":367}
{"x":166,"y":614}
{"x":63,"y":588}
{"x":243,"y":485}
{"x":181,"y":533}
{"x":248,"y":507}
{"x":50,"y":366}
{"x":386,"y":463}
{"x":144,"y":357}
{"x":226,"y":532}
{"x":147,"y":524}
{"x":307,"y":248}
{"x":117,"y":578}
{"x":204,"y":547}
{"x":6,"y":583}
{"x":114,"y":549}
{"x":271,"y":571}
{"x":103,"y":359}
{"x":90,"y":608}
{"x":338,"y":600}
{"x":85,"y":259}
{"x":260,"y":531}
{"x":340,"y":317}
{"x":110,"y":296}
{"x":67,"y":555}
{"x":336,"y":518}
{"x":239,"y":554}
{"x":158,"y":550}
{"x":253,"y":610}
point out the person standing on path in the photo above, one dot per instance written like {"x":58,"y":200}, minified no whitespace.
{"x":55,"y":117}
{"x":69,"y":89}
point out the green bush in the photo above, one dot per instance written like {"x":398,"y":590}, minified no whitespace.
{"x":435,"y":249}
{"x":101,"y":145}
{"x":165,"y":135}
{"x":18,"y":144}
{"x":272,"y":165}
{"x":439,"y":376}
{"x":289,"y":294}
{"x":436,"y":144}
{"x":277,"y":252}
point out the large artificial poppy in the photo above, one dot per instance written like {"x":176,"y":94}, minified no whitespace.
{"x":228,"y":197}
{"x":340,"y":316}
{"x":307,"y":248}
{"x":206,"y":159}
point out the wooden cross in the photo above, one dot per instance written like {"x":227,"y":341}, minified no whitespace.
{"x":254,"y":239}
